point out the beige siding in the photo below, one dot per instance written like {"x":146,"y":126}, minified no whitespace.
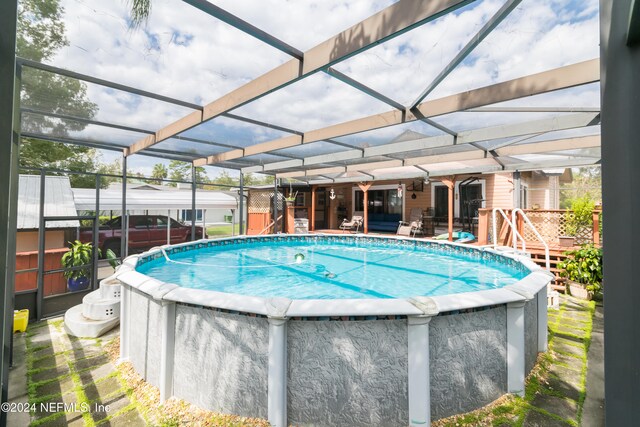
{"x":499,"y":191}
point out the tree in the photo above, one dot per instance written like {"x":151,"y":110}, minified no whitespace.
{"x":159,"y":171}
{"x":140,"y":11}
{"x":41,"y":33}
{"x":181,"y":171}
{"x":586,"y":183}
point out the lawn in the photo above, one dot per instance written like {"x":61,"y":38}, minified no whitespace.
{"x":222,"y":231}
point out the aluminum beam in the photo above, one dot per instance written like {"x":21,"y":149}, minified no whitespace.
{"x":551,"y":146}
{"x":466,"y":137}
{"x":533,"y":110}
{"x":572,"y":121}
{"x":633,"y":31}
{"x":171,"y":155}
{"x":547,"y":81}
{"x":244,"y":26}
{"x":531,"y":148}
{"x":9,"y":148}
{"x":85,"y":121}
{"x":364,"y":88}
{"x":393,"y":21}
{"x":106,"y":83}
{"x":486,"y":29}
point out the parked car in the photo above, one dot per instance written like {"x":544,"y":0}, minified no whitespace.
{"x":145,"y":231}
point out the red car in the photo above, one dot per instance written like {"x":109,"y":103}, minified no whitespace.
{"x":145,"y":231}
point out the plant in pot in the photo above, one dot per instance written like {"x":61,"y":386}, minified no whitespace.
{"x":583,"y":271}
{"x":77,"y":262}
{"x":291,"y":198}
{"x":580,"y":217}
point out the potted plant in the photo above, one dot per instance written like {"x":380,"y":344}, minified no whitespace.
{"x":291,"y":198}
{"x":580,"y":217}
{"x":583,"y":271}
{"x":77,"y":260}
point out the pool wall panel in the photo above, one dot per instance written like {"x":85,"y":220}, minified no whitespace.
{"x":347,"y":373}
{"x":468,"y":360}
{"x":530,"y":334}
{"x":145,"y":340}
{"x":221,"y":361}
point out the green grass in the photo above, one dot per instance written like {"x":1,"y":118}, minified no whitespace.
{"x":222,"y":230}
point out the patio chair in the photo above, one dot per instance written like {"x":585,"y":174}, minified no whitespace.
{"x":356,"y":222}
{"x":413,"y":226}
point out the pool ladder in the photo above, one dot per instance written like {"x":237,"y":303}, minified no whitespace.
{"x":516,"y":236}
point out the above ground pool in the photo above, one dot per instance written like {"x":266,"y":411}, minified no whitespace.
{"x":333,"y":268}
{"x":333,"y":330}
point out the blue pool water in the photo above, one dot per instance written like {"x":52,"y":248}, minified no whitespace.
{"x":331,"y":270}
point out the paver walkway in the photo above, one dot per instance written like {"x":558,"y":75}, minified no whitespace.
{"x":559,"y":397}
{"x":71,"y":381}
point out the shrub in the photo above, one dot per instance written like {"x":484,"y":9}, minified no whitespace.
{"x":580,"y":216}
{"x":584,"y":266}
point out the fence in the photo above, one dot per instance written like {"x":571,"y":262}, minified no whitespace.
{"x":550,"y":223}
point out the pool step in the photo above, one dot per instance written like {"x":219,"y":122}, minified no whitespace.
{"x":96,"y":307}
{"x":77,"y":325}
{"x":98,"y":313}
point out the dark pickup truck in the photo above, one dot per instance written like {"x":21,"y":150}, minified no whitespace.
{"x":145,"y":231}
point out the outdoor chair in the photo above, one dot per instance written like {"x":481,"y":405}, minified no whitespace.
{"x":356,"y":222}
{"x":413,"y":226}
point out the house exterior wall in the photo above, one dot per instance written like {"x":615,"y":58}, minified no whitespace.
{"x":499,"y":191}
{"x":27,"y":241}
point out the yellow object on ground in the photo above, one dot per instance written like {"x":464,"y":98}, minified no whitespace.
{"x":20,"y":320}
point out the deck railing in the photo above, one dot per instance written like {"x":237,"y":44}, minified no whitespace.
{"x":550,"y":223}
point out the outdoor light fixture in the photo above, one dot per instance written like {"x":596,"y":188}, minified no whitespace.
{"x":413,"y":196}
{"x":332,"y":194}
{"x":299,"y":258}
{"x":399,"y":189}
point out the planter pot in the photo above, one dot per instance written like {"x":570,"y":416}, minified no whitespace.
{"x":78,"y":284}
{"x":578,"y":290}
{"x":566,"y":241}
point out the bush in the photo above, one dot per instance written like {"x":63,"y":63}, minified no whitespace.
{"x":584,"y":266}
{"x":580,"y":216}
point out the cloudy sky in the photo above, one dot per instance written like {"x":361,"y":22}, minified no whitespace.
{"x":184,"y":53}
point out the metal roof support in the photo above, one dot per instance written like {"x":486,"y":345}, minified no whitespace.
{"x":363,"y":88}
{"x":547,"y":81}
{"x":533,"y":110}
{"x":394,"y":20}
{"x":275,"y":206}
{"x":9,"y":148}
{"x":633,"y":31}
{"x":193,"y":202}
{"x":78,"y":76}
{"x":85,"y":120}
{"x":124,"y":244}
{"x":580,"y":142}
{"x":367,"y":174}
{"x":234,"y":21}
{"x":241,"y":205}
{"x":591,"y":141}
{"x":492,"y":23}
